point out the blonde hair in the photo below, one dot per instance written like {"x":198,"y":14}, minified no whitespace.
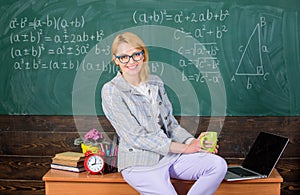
{"x":136,"y":42}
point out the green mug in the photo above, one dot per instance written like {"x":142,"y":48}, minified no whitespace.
{"x":211,"y":136}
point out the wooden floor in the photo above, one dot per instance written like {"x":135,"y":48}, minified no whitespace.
{"x":108,"y":184}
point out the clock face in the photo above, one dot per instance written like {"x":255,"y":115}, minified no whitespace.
{"x":94,"y":164}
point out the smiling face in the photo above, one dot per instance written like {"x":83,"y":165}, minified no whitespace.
{"x":132,"y":68}
{"x":131,"y":50}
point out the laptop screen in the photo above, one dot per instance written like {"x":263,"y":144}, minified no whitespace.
{"x":265,"y":152}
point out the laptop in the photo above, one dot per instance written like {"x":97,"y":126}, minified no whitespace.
{"x":260,"y":160}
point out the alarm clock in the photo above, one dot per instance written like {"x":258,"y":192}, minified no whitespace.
{"x":93,"y":163}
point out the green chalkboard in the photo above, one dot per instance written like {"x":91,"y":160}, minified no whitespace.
{"x":217,"y":58}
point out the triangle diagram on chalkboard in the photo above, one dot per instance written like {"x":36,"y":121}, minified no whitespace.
{"x":251,"y":59}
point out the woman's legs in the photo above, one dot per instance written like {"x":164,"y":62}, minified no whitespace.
{"x":154,"y":182}
{"x":208,"y":169}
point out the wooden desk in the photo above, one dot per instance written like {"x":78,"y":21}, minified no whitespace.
{"x":63,"y":182}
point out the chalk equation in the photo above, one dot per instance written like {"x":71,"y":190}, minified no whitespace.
{"x":55,"y":43}
{"x":56,"y":23}
{"x":179,"y":16}
{"x":33,"y":47}
{"x":58,"y":43}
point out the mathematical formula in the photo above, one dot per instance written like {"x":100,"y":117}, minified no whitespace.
{"x":56,"y":23}
{"x":179,"y":17}
{"x":32,"y":47}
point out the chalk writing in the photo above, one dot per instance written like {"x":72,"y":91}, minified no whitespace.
{"x":178,"y":17}
{"x":204,"y":58}
{"x":34,"y":46}
{"x":203,"y":55}
{"x":157,"y":67}
{"x":254,"y":66}
{"x":49,"y":22}
{"x":64,"y":65}
{"x":30,"y":42}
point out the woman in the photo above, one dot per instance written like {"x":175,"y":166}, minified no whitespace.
{"x":153,"y":147}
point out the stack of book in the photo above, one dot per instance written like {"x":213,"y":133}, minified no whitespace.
{"x":69,"y":161}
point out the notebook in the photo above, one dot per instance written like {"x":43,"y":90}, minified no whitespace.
{"x":261,"y":159}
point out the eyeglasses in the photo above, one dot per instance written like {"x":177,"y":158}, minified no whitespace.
{"x":138,"y":56}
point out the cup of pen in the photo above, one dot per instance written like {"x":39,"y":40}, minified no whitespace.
{"x":209,"y":141}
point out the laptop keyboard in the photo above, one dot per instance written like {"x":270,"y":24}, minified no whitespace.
{"x":241,"y":172}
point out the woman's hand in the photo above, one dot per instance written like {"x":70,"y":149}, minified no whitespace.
{"x":192,"y":147}
{"x":195,"y":145}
